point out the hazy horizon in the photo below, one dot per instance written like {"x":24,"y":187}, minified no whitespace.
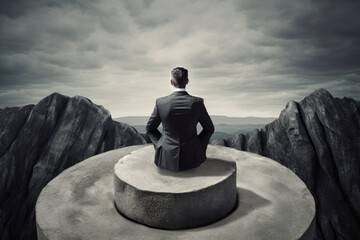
{"x":245,"y":58}
{"x":209,"y":114}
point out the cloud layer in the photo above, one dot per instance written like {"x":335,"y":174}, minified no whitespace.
{"x":245,"y":58}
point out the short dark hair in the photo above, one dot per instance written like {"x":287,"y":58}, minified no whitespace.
{"x":179,"y":76}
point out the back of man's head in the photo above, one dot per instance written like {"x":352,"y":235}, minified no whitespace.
{"x":179,"y":76}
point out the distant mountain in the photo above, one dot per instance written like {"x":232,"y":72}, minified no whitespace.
{"x":133,"y":120}
{"x":221,"y":130}
{"x":217,"y":119}
{"x":220,"y":119}
{"x":225,"y":127}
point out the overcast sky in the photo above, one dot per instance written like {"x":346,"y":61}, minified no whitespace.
{"x":245,"y":57}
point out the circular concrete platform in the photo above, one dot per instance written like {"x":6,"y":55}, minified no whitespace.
{"x":173,"y":200}
{"x":273,"y":203}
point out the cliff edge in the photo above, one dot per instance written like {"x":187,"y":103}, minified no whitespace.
{"x":317,"y":138}
{"x":37,"y":142}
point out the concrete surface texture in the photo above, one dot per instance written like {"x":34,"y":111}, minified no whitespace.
{"x":167,"y":199}
{"x":273,"y":203}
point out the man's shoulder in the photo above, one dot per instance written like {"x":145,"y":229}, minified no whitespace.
{"x":197,"y":99}
{"x":162,"y":99}
{"x":170,"y":96}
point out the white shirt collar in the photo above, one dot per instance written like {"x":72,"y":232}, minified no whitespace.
{"x":175,"y":89}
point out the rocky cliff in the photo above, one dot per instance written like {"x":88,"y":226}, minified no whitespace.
{"x":39,"y":141}
{"x":317,"y":138}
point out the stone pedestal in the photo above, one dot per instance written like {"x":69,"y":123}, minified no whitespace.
{"x":273,"y":203}
{"x":173,"y":200}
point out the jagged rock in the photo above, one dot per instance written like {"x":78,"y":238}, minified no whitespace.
{"x":11,"y":121}
{"x":146,"y":137}
{"x":336,"y":139}
{"x":237,"y":142}
{"x":39,"y":142}
{"x":121,"y":135}
{"x":319,"y":140}
{"x":253,"y":142}
{"x":219,"y":141}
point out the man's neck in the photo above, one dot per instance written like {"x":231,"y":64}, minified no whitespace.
{"x":178,"y":89}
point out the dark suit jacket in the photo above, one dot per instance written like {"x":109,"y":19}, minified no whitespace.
{"x":179,"y":147}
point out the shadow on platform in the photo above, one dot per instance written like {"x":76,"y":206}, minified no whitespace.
{"x":247,"y":202}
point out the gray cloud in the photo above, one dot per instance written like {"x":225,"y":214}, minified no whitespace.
{"x":244,"y":57}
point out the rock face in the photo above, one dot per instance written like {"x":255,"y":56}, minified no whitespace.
{"x":317,"y":138}
{"x":37,"y":142}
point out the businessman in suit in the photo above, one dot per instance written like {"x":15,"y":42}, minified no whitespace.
{"x":179,"y":147}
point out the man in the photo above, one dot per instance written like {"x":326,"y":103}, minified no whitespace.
{"x":179,"y":147}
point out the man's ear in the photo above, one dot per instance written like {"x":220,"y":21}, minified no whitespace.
{"x":187,"y":81}
{"x":171,"y":81}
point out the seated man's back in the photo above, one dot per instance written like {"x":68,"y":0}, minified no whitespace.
{"x":179,"y":147}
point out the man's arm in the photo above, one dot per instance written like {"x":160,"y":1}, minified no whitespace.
{"x":207,"y":125}
{"x":152,"y":125}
